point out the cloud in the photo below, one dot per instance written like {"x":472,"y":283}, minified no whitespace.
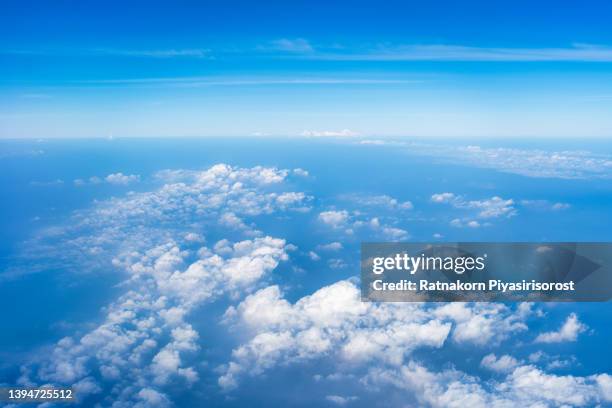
{"x":503,"y":364}
{"x":493,"y":207}
{"x":144,"y":337}
{"x":143,"y":342}
{"x":334,"y":324}
{"x":524,"y":385}
{"x":334,"y":218}
{"x":568,"y":332}
{"x":331,"y":322}
{"x":383,"y":201}
{"x":329,"y":133}
{"x":443,"y":197}
{"x":122,"y":179}
{"x":332,"y":246}
{"x":483,"y":323}
{"x":340,"y":400}
{"x":560,"y":206}
{"x":56,"y":182}
{"x":314,"y":256}
{"x":341,"y":219}
{"x":118,"y":179}
{"x":545,"y":205}
{"x":301,"y":172}
{"x":445,"y":52}
{"x":565,"y":164}
{"x":160,"y":53}
{"x":296,"y":45}
{"x":185,"y":200}
{"x":459,"y":223}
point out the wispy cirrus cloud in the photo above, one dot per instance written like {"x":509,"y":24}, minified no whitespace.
{"x":450,"y":52}
{"x":120,"y":52}
{"x":297,"y":45}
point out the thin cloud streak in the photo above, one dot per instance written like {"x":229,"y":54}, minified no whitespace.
{"x":203,"y":81}
{"x":442,"y":52}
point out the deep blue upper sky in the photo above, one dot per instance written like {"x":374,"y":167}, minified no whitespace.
{"x":285,"y":68}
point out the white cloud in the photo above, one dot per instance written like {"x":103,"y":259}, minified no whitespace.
{"x":194,"y":237}
{"x":301,"y":172}
{"x":493,"y":207}
{"x":333,"y":218}
{"x":314,"y":256}
{"x":523,"y":386}
{"x":503,"y":364}
{"x":143,"y":338}
{"x":122,"y":179}
{"x":383,"y":201}
{"x":113,"y":178}
{"x":143,"y":342}
{"x":340,"y":400}
{"x":568,"y":332}
{"x":566,"y":164}
{"x":443,"y":197}
{"x":333,"y":323}
{"x":451,"y":52}
{"x":332,"y":246}
{"x":461,"y":223}
{"x":329,"y":133}
{"x":482,"y":323}
{"x":357,"y":221}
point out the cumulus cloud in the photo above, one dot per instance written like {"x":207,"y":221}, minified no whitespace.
{"x":144,"y":342}
{"x":144,"y":339}
{"x":119,"y":179}
{"x":485,"y":209}
{"x":357,"y":221}
{"x":493,"y":207}
{"x":334,"y":219}
{"x":503,"y":364}
{"x":524,"y":385}
{"x":568,"y":332}
{"x":383,"y":200}
{"x":332,"y":321}
{"x":122,"y":179}
{"x":335,"y":324}
{"x":185,"y":200}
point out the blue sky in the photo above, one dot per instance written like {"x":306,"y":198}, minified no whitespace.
{"x":444,"y":69}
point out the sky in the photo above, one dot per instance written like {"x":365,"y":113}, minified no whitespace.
{"x":425,"y":69}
